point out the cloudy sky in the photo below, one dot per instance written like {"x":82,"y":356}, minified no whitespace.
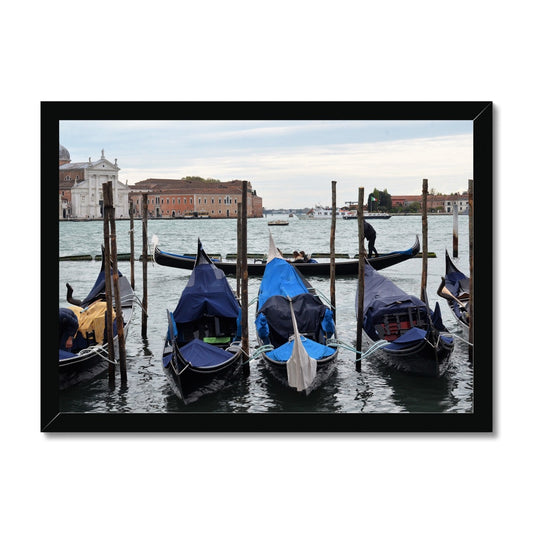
{"x":290,"y":163}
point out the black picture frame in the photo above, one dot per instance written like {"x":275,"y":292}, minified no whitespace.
{"x":480,"y":420}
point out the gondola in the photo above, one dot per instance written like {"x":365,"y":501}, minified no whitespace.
{"x":202,"y":351}
{"x":293,"y":327}
{"x":348,"y":267}
{"x":417,"y":340}
{"x":85,"y":321}
{"x":455,"y":289}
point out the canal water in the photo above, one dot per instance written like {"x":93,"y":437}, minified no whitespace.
{"x":376,"y":389}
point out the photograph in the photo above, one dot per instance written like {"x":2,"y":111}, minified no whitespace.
{"x":267,"y":266}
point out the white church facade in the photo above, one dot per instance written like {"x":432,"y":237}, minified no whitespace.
{"x":80,"y":187}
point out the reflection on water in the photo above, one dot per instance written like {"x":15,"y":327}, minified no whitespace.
{"x":376,"y":389}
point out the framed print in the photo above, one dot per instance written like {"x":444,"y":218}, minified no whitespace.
{"x":175,"y":194}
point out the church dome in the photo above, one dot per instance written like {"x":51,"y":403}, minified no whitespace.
{"x":63,"y":153}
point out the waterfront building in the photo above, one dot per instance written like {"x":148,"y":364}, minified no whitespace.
{"x":461,"y":200}
{"x":80,"y":187}
{"x":193,"y":198}
{"x":436,"y":203}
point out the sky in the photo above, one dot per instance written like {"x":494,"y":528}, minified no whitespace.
{"x":290,"y":163}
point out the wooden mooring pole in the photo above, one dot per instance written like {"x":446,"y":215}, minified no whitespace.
{"x":471,"y":253}
{"x":108,"y":286}
{"x":132,"y":248}
{"x":239,"y":243}
{"x":332,"y":249}
{"x":424,"y":281}
{"x":145,"y":267}
{"x":244,"y":275}
{"x":117,"y":301}
{"x":361,"y":278}
{"x":455,"y":230}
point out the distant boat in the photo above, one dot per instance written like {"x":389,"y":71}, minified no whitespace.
{"x":278,"y":222}
{"x":319,"y":212}
{"x":366,"y":216}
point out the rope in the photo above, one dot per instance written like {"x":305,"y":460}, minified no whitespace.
{"x":184,"y":368}
{"x":461,"y":339}
{"x":324,"y":297}
{"x":97,"y":350}
{"x":376,"y":346}
{"x":257,"y":353}
{"x":138,"y":301}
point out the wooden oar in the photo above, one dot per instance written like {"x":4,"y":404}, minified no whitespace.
{"x":444,"y":290}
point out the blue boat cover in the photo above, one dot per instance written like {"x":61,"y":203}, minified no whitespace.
{"x":202,"y":354}
{"x":280,"y":278}
{"x":207,"y":293}
{"x":410,"y":337}
{"x":64,"y":354}
{"x":98,"y":288}
{"x":383,"y":297}
{"x":282,"y":282}
{"x":314,"y":349}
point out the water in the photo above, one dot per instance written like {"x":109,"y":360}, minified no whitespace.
{"x":376,"y":389}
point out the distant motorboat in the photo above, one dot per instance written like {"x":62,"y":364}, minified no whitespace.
{"x":278,"y":222}
{"x":319,"y":212}
{"x":366,"y":215}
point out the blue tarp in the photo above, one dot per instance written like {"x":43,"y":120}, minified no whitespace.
{"x":261,"y":326}
{"x":64,"y":354}
{"x":314,"y":349}
{"x":280,"y":282}
{"x":98,"y":288}
{"x":201,"y":354}
{"x":412,"y":336}
{"x":280,"y":278}
{"x":382,"y":297}
{"x":207,"y":293}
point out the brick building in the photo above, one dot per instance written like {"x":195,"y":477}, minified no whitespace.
{"x":183,"y":198}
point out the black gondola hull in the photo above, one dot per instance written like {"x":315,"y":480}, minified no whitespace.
{"x":460,"y":293}
{"x":81,"y":371}
{"x":344,"y":267}
{"x":420,"y":359}
{"x":191,"y":383}
{"x":194,"y":366}
{"x":278,"y":372}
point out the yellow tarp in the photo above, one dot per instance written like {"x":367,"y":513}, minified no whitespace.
{"x":92,"y":319}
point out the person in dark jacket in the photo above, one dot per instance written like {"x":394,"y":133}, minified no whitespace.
{"x":68,"y":326}
{"x":370,"y":235}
